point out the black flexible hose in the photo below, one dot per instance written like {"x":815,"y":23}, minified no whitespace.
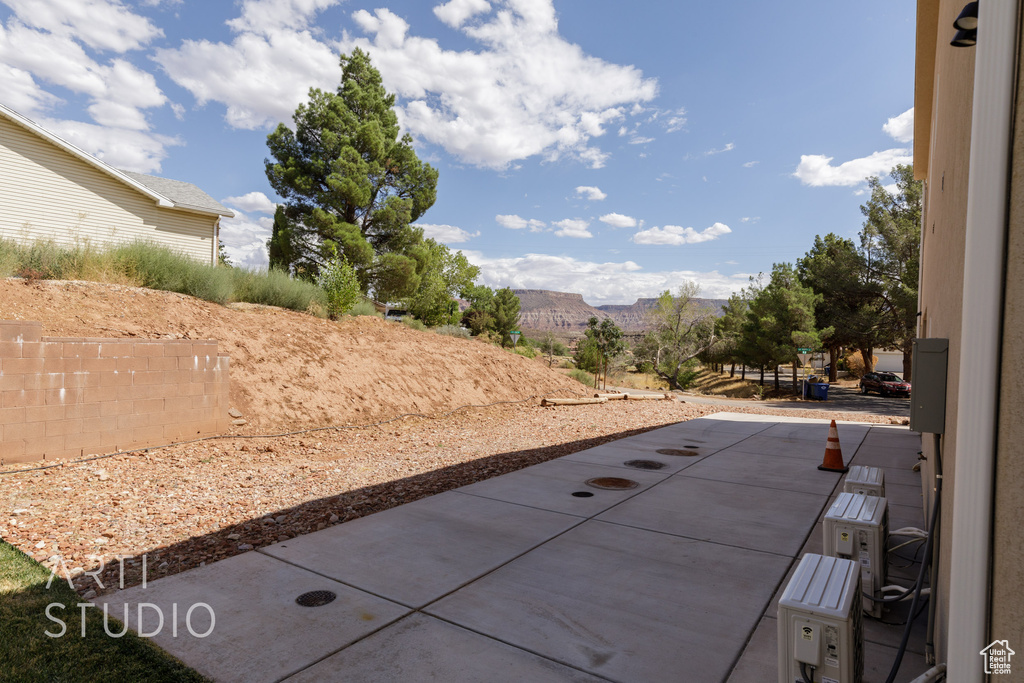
{"x":917,"y":589}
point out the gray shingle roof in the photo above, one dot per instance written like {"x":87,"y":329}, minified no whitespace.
{"x":184,"y":195}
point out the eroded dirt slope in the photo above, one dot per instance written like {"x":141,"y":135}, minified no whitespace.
{"x":291,"y":370}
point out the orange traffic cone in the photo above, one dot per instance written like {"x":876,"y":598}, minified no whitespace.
{"x":833,"y":453}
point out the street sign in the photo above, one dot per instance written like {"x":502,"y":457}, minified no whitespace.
{"x":803,"y":350}
{"x":515,"y":337}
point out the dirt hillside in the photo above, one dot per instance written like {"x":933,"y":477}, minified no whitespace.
{"x":291,"y":370}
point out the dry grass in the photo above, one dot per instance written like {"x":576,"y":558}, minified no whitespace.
{"x":719,"y":384}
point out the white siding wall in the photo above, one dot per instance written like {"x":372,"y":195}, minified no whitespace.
{"x":46,"y":193}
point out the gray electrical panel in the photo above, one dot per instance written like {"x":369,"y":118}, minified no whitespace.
{"x":928,"y":392}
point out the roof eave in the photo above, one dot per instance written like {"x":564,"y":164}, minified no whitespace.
{"x":99,"y":164}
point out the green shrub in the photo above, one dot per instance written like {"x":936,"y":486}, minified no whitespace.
{"x":339,"y":282}
{"x":526,"y":351}
{"x":645,"y":367}
{"x":583,"y":377}
{"x":452,"y":331}
{"x":412,"y":322}
{"x":276,"y":288}
{"x":364,"y":307}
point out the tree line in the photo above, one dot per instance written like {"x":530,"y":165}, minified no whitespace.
{"x":840,"y":296}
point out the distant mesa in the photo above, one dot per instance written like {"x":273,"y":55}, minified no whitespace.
{"x":566,"y":313}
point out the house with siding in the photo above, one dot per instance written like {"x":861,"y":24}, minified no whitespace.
{"x":969,"y":151}
{"x":52,"y":190}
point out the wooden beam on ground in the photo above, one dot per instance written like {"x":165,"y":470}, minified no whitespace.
{"x":571,"y":401}
{"x":647,"y":397}
{"x":611,"y":397}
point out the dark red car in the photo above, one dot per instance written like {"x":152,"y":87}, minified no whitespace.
{"x":884,"y":383}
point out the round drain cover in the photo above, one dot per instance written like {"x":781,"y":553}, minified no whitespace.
{"x":316,"y":598}
{"x":583,"y":494}
{"x":612,"y":483}
{"x":675,"y":451}
{"x":690,"y":445}
{"x":644,"y":464}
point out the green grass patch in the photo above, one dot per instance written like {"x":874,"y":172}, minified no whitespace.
{"x":276,"y":288}
{"x":364,"y":307}
{"x":142,"y":264}
{"x":28,"y":654}
{"x":582,"y":376}
{"x":452,"y":331}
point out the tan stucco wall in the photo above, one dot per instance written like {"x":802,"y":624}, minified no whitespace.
{"x":46,"y":193}
{"x":1007,"y":605}
{"x":943,"y":233}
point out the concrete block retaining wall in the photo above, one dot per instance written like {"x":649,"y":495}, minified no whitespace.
{"x":69,"y":397}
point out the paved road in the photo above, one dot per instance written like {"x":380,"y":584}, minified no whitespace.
{"x":839,"y":399}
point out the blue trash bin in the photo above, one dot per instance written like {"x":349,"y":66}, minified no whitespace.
{"x":820,"y":391}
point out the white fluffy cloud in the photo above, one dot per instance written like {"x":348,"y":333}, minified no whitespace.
{"x":447,"y":234}
{"x":526,"y":92}
{"x":514,"y":222}
{"x":456,"y":12}
{"x":901,"y":128}
{"x":100,"y":24}
{"x":245,"y":239}
{"x":251,"y":201}
{"x":676,"y":235}
{"x":591,"y":193}
{"x":604,"y":283}
{"x":131,"y":150}
{"x":43,"y":43}
{"x":617,"y":220}
{"x":573,"y":227}
{"x":817,"y":170}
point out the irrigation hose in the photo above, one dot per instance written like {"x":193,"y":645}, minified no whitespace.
{"x":282,"y":434}
{"x":917,"y":589}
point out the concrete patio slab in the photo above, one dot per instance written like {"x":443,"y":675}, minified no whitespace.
{"x":432,"y":546}
{"x":879,"y":456}
{"x":804,"y":449}
{"x":624,"y":603}
{"x":616,"y":456}
{"x":734,"y":514}
{"x":769,"y":471}
{"x":420,"y":648}
{"x":258,"y":633}
{"x":851,"y":434}
{"x":550,"y":485}
{"x":900,"y":494}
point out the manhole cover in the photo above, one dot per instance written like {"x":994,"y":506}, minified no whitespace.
{"x":583,"y":494}
{"x":316,"y":598}
{"x":612,"y":483}
{"x":675,"y":451}
{"x":644,"y":464}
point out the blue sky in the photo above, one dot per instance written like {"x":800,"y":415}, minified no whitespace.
{"x":608,"y":148}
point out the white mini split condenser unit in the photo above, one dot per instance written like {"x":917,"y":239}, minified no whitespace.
{"x":868,"y":481}
{"x":821,"y":631}
{"x":857,"y":528}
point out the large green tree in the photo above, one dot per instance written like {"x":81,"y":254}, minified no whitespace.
{"x":846,"y":314}
{"x":681,"y":329}
{"x":505,"y":312}
{"x":780,"y":320}
{"x":351,"y":185}
{"x":605,"y":338}
{"x":891,"y":242}
{"x":442,"y":275}
{"x":729,"y":330}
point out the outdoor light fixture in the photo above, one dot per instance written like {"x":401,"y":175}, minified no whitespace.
{"x":968,"y":19}
{"x":965,"y":38}
{"x":966,"y":26}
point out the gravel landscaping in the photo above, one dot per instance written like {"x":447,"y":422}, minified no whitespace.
{"x":179,"y":507}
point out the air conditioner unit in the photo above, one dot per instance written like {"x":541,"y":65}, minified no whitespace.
{"x":868,"y":481}
{"x":857,"y":528}
{"x":821,"y":625}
